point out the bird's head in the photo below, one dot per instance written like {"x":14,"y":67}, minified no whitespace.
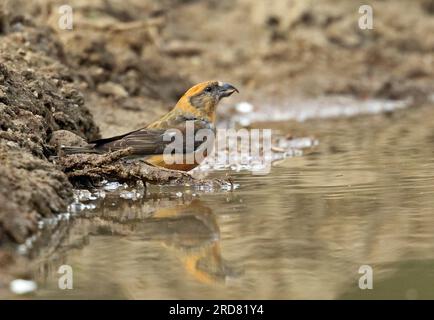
{"x":205,"y":96}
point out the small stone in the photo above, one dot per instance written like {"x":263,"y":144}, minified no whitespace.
{"x":112,"y":89}
{"x":244,"y":107}
{"x":66,"y":138}
{"x":12,"y":144}
{"x":20,"y":286}
{"x":112,"y":186}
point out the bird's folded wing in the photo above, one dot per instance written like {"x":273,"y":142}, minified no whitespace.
{"x":154,"y":141}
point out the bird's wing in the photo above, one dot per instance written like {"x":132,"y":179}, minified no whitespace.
{"x":154,"y":141}
{"x":142,"y":141}
{"x":101,"y":142}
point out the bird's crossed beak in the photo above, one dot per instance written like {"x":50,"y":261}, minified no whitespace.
{"x":226,"y":89}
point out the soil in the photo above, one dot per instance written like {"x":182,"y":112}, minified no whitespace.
{"x":125,"y":63}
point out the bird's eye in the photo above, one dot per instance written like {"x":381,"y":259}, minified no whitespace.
{"x":208,"y":89}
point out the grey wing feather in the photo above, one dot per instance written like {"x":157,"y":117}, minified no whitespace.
{"x":142,"y":141}
{"x":154,"y":141}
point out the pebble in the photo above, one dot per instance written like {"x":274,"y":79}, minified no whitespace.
{"x":20,"y":286}
{"x":113,"y":89}
{"x":244,"y":107}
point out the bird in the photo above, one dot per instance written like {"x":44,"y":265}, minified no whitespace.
{"x":170,"y":142}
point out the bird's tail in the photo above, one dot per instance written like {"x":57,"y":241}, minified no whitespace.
{"x":75,"y":150}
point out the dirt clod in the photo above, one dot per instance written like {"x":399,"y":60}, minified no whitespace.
{"x":91,"y":169}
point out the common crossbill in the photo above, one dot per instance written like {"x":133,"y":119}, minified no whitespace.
{"x":196,"y":107}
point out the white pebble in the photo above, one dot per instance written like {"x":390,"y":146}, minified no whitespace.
{"x":20,"y":286}
{"x":244,"y":107}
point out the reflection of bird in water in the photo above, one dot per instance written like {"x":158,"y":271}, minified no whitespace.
{"x":191,"y":230}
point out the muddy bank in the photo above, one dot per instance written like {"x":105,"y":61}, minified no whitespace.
{"x":113,"y":52}
{"x":50,"y":78}
{"x":43,"y":89}
{"x":37,"y":97}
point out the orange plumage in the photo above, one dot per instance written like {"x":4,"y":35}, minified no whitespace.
{"x":196,"y":107}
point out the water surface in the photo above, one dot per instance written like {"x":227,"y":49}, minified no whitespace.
{"x":363,"y":196}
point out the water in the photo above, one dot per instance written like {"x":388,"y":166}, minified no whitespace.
{"x":363,"y":196}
